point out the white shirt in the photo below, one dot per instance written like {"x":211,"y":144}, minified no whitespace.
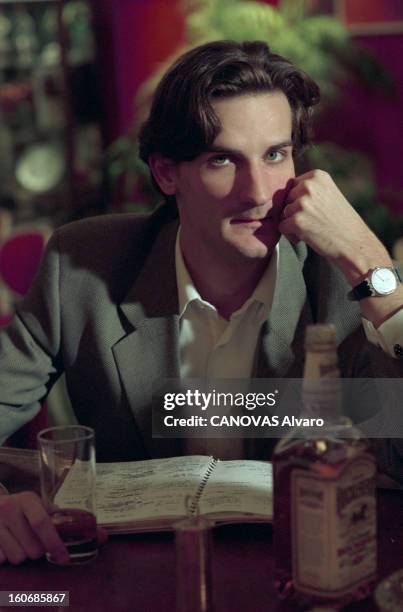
{"x":388,"y":336}
{"x":210,"y":347}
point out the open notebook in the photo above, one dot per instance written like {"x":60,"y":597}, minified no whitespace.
{"x":151,"y":495}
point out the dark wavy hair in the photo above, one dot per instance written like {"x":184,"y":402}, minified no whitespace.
{"x":182,"y":123}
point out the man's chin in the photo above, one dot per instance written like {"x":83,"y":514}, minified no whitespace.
{"x":255,"y":248}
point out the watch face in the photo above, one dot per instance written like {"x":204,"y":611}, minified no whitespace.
{"x":383,"y":281}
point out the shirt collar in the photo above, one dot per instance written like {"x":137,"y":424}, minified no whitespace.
{"x":187,"y":292}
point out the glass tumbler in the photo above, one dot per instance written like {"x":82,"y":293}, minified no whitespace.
{"x":67,"y":474}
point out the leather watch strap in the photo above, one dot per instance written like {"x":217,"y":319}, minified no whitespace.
{"x":364,"y":289}
{"x":360,"y":292}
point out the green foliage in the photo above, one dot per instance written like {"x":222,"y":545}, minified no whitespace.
{"x":320,"y":44}
{"x":288,"y":30}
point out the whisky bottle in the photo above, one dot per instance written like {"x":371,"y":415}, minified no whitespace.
{"x":324,"y":492}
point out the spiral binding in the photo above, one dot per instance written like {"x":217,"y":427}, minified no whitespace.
{"x":195,"y":501}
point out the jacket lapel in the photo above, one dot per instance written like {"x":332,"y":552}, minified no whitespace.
{"x":149,"y":352}
{"x":282,"y":334}
{"x":282,"y":341}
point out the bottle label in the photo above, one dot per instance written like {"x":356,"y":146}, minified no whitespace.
{"x":334,"y":528}
{"x":321,"y":364}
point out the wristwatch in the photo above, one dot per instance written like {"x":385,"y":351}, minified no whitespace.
{"x":380,"y":282}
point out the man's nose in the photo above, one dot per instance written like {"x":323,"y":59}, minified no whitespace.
{"x":256,"y":186}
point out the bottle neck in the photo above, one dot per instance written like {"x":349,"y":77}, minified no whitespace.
{"x":321,"y":387}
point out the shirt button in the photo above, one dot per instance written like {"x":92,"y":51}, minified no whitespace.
{"x":398,"y":349}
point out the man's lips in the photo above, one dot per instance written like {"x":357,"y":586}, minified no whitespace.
{"x":258,"y":227}
{"x":252,"y":222}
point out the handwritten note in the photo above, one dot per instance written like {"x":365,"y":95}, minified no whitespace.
{"x":152,"y":493}
{"x":147,"y":489}
{"x":239,"y":486}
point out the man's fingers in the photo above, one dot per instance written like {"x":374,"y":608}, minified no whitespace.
{"x":15,"y":543}
{"x":41,"y":524}
{"x":11,"y":548}
{"x":289,"y":229}
{"x":308,"y":185}
{"x":299,"y":189}
{"x":24,"y":535}
{"x":295,"y":209}
{"x":288,"y":211}
{"x":26,"y":529}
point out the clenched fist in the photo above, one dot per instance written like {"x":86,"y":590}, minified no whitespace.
{"x":318,"y":213}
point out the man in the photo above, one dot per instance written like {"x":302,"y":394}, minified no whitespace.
{"x":121,"y":302}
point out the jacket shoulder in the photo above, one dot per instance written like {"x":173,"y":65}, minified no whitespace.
{"x":99,"y":234}
{"x":109,"y":239}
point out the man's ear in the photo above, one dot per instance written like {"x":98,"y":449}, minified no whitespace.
{"x":164,"y":172}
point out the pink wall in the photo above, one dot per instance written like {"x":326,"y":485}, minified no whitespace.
{"x":366,"y":11}
{"x":133,"y":37}
{"x":374,"y":123}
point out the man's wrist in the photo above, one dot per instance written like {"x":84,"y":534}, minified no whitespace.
{"x":380,"y":309}
{"x":357,"y":267}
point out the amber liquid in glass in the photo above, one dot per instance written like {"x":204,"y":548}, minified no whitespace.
{"x":78,"y":530}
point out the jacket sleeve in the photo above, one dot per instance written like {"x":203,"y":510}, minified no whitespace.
{"x":30,"y":347}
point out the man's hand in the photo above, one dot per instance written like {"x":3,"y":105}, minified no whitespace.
{"x":318,"y":213}
{"x":27,"y":532}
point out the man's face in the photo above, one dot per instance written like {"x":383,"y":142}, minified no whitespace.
{"x":231,"y":197}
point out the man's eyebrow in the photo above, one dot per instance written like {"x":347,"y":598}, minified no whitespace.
{"x":230,"y":151}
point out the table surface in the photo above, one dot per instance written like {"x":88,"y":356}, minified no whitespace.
{"x":137,"y":572}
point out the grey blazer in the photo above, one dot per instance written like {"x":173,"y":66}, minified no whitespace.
{"x":104,"y":309}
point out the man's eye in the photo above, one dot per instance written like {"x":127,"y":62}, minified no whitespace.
{"x":220,"y":160}
{"x":275,"y":156}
